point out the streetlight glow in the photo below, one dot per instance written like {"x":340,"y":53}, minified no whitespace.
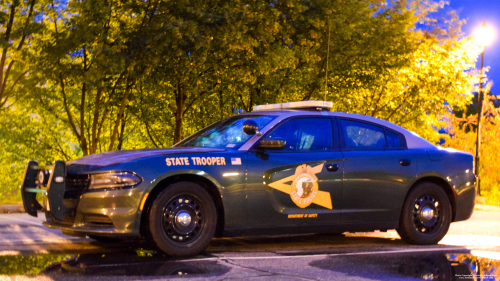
{"x":484,"y":35}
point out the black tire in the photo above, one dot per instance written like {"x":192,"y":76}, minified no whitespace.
{"x":426,"y":215}
{"x":183,"y":219}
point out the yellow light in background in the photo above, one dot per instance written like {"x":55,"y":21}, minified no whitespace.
{"x":484,"y":35}
{"x":230,"y":174}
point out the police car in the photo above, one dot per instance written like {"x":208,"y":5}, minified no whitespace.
{"x":282,"y":169}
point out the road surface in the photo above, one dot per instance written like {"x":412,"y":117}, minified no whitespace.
{"x":470,"y":251}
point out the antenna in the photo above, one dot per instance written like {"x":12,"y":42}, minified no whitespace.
{"x":327,"y":57}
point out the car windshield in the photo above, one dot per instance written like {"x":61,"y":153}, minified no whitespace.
{"x":225,"y":134}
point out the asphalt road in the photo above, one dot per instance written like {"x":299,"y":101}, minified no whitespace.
{"x":470,"y":251}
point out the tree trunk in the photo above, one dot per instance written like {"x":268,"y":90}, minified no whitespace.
{"x":83,"y":139}
{"x":95,"y":122}
{"x":221,"y":104}
{"x":122,"y":133}
{"x":120,"y":113}
{"x":250,"y":102}
{"x":8,"y":29}
{"x":179,"y":113}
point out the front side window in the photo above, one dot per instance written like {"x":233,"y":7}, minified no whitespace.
{"x":305,"y":135}
{"x":361,"y":135}
{"x":225,"y":134}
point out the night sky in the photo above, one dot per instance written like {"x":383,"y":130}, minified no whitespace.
{"x":475,"y":12}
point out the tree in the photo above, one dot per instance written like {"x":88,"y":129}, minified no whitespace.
{"x":19,"y":25}
{"x":192,"y":58}
{"x":388,"y":68}
{"x":108,"y":75}
{"x":91,"y":59}
{"x":463,"y":132}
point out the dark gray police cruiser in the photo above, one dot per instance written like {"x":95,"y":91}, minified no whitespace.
{"x":282,"y":169}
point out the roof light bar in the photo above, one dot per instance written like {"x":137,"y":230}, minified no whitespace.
{"x":307,"y":105}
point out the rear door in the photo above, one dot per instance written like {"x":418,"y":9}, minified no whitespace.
{"x":378,"y":169}
{"x":301,"y":184}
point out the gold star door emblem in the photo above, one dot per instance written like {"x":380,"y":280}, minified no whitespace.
{"x":304,"y":188}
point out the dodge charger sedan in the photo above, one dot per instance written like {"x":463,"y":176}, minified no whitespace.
{"x":285,"y":168}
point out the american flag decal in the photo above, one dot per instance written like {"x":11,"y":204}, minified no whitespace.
{"x":235,"y":161}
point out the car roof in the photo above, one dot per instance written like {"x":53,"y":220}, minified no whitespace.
{"x":413,"y":140}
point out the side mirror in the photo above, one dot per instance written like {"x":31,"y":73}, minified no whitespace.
{"x":272,"y":144}
{"x":250,"y":127}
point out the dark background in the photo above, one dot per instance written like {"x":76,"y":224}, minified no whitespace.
{"x":475,"y":12}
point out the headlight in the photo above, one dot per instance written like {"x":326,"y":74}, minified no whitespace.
{"x":113,"y":180}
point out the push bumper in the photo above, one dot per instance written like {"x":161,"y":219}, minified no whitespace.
{"x":54,"y":194}
{"x":106,"y":213}
{"x":29,"y":189}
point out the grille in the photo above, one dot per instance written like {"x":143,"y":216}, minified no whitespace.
{"x":76,"y":185}
{"x":98,"y":220}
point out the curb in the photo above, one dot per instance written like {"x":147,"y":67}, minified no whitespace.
{"x":490,"y":208}
{"x":11,"y":208}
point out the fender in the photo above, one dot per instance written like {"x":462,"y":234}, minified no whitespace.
{"x":443,"y":178}
{"x":194,"y":172}
{"x":450,"y":189}
{"x":154,"y":183}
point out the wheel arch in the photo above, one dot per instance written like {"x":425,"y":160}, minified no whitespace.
{"x":198,"y":177}
{"x":447,"y":188}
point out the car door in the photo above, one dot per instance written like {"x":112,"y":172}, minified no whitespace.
{"x":300,"y":184}
{"x":378,"y":169}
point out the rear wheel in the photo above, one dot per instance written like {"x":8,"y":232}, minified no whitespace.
{"x":183,"y":219}
{"x":426,"y":215}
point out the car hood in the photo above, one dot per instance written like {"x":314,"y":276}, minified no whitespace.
{"x":115,"y":157}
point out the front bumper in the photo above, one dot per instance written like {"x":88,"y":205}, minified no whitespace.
{"x":111,"y":212}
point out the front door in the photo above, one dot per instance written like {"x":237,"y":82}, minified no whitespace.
{"x":301,"y":184}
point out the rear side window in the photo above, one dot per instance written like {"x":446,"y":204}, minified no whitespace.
{"x":361,"y":135}
{"x":393,"y":140}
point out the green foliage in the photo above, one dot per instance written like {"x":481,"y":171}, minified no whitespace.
{"x":19,"y":26}
{"x":464,"y":135}
{"x":30,"y":136}
{"x":122,"y":75}
{"x":29,"y":265}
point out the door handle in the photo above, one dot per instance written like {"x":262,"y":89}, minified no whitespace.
{"x":404,"y":162}
{"x":332,"y":167}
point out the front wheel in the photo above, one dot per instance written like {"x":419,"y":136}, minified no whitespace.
{"x":426,"y":215}
{"x":183,"y":219}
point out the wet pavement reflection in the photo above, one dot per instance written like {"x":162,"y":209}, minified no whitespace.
{"x":140,"y":262}
{"x":437,"y":266}
{"x":384,"y":265}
